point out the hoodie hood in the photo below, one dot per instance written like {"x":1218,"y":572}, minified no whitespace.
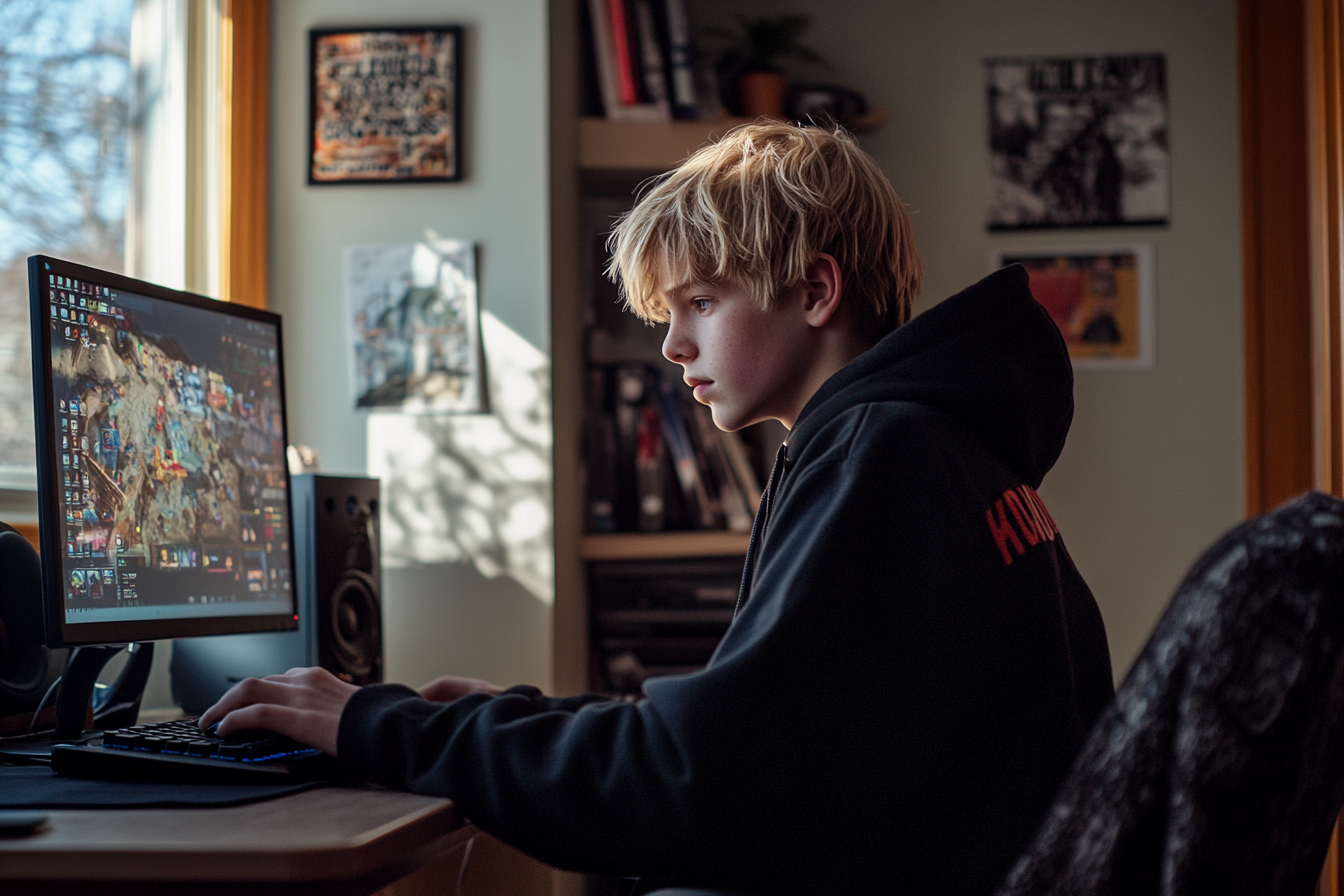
{"x":990,"y":357}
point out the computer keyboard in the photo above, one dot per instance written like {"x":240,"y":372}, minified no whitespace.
{"x":180,"y":751}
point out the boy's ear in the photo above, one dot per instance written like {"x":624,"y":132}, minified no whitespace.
{"x":824,"y":288}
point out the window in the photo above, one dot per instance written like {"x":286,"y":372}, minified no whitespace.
{"x":132,"y":137}
{"x":65,"y":92}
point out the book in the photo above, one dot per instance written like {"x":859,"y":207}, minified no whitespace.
{"x":609,"y":70}
{"x":681,"y":451}
{"x":735,"y":513}
{"x":590,"y":93}
{"x":681,"y":68}
{"x":650,"y":461}
{"x":623,"y":53}
{"x":631,"y":396}
{"x":651,"y":58}
{"x":601,"y":456}
{"x":601,"y":451}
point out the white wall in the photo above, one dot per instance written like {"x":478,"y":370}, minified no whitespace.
{"x":475,"y":601}
{"x":1153,"y":469}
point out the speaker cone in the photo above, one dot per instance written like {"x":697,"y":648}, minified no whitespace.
{"x":356,"y":640}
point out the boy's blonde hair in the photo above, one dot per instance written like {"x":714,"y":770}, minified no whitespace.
{"x":755,"y":209}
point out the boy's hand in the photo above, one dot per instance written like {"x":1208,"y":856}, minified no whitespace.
{"x":447,"y":688}
{"x":305,"y":704}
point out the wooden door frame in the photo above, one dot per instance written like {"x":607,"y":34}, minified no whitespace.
{"x":244,"y":107}
{"x":1291,"y":79}
{"x":1276,"y":253}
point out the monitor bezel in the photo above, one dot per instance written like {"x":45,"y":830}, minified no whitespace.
{"x":58,"y":631}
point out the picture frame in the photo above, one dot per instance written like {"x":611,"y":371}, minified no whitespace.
{"x":385,"y":105}
{"x":415,"y":327}
{"x":1078,"y":141}
{"x":1102,"y":298}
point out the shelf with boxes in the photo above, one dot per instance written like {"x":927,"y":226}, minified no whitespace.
{"x":657,"y":617}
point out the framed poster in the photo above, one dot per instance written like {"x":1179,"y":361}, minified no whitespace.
{"x":1078,"y":142}
{"x":415,"y":327}
{"x":385,"y":105}
{"x":1101,"y":298}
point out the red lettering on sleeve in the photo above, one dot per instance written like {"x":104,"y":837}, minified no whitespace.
{"x":1003,"y":532}
{"x":1025,"y":522}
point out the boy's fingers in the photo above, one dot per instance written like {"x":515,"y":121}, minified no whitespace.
{"x":316,"y":728}
{"x":271,"y":689}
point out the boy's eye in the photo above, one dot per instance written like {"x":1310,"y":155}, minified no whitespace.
{"x":701,"y":305}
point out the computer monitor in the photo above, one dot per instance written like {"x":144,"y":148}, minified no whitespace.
{"x":163,"y":490}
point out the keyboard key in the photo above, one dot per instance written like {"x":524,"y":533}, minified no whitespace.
{"x":122,"y":738}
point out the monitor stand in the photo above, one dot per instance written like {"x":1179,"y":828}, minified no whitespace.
{"x":115,"y":706}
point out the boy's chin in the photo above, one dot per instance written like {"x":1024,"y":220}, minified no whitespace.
{"x":726,"y":420}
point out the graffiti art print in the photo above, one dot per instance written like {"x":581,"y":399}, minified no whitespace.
{"x":1101,"y":298}
{"x":386,"y":105}
{"x":416,"y":327}
{"x":1078,"y":142}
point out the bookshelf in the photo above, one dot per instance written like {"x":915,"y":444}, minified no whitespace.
{"x":656,"y":602}
{"x":597,"y":158}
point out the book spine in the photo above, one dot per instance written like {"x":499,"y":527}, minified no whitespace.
{"x":590,"y":90}
{"x":625,"y":70}
{"x":680,"y":66}
{"x":604,"y":52}
{"x":602,"y":452}
{"x":682,"y":454}
{"x":649,"y":465}
{"x":630,"y":399}
{"x":651,"y":58}
{"x":734,"y":505}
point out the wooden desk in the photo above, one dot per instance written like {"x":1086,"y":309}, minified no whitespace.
{"x":340,"y":841}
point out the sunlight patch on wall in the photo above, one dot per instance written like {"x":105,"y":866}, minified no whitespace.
{"x":474,"y":488}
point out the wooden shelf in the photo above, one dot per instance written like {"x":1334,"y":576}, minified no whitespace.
{"x":644,"y":145}
{"x":661,"y":145}
{"x":662,"y":545}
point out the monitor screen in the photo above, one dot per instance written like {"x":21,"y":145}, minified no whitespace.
{"x":163,"y":491}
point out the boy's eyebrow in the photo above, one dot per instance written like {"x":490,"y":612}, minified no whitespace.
{"x":680,"y":290}
{"x":675,"y":291}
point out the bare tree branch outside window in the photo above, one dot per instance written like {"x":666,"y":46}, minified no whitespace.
{"x":65,"y":86}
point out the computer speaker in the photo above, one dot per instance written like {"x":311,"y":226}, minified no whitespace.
{"x":339,"y":589}
{"x":27,"y":667}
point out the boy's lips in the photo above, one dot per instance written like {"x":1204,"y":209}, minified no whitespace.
{"x":696,"y":384}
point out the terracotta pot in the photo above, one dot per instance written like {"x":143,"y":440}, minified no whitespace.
{"x":762,"y":94}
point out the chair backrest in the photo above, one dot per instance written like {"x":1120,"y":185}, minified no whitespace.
{"x":1219,"y":768}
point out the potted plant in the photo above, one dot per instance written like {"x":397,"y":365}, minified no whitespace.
{"x":752,"y":62}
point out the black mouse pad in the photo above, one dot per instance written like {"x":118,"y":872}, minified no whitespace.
{"x":38,"y":787}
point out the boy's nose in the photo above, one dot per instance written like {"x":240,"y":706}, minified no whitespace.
{"x":676,"y":348}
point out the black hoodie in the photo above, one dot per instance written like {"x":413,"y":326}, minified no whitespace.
{"x":914,"y":663}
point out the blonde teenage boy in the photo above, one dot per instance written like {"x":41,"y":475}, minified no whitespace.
{"x":914,"y":660}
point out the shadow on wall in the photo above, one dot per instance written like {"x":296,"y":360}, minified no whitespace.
{"x":448,"y":619}
{"x":474,"y":488}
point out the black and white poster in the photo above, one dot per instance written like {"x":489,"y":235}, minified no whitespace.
{"x":1078,"y":142}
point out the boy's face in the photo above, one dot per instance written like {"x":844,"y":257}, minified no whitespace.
{"x":747,"y":364}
